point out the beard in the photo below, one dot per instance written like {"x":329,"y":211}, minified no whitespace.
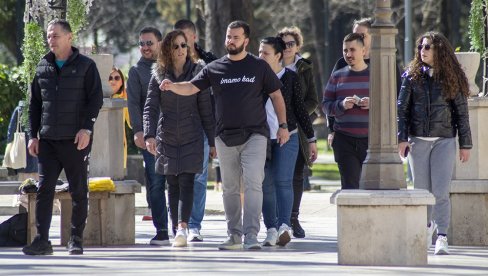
{"x":235,"y":51}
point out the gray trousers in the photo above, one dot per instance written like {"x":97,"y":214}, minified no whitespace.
{"x":246,"y":161}
{"x":432,"y":164}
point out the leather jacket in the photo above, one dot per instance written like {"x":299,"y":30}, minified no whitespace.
{"x":424,"y":112}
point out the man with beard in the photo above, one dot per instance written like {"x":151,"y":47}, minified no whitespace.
{"x":346,"y":97}
{"x":137,"y":84}
{"x":241,"y":83}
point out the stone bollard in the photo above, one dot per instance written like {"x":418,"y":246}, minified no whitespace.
{"x":386,"y":227}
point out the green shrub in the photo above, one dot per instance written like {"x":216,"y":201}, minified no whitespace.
{"x":10,"y":93}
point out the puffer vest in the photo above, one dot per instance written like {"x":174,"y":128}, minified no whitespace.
{"x":64,"y":100}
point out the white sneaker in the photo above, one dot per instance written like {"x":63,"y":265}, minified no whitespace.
{"x":271,"y":237}
{"x":441,"y":247}
{"x":284,"y":235}
{"x":194,"y":235}
{"x":430,"y":231}
{"x":180,"y":238}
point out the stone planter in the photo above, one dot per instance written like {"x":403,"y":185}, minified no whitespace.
{"x":470,"y":61}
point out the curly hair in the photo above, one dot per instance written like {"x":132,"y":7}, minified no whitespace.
{"x":447,"y":69}
{"x":165,"y":55}
{"x":293,"y":31}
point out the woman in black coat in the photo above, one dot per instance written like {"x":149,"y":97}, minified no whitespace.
{"x":178,"y":121}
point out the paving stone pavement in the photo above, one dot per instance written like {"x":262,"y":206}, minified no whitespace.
{"x":314,"y":255}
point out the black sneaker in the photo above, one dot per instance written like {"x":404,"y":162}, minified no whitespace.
{"x":298,"y":231}
{"x":161,"y":238}
{"x":75,"y":245}
{"x":38,"y":247}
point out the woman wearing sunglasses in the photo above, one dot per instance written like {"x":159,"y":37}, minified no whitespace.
{"x":292,"y":36}
{"x":279,"y":169}
{"x":432,"y":111}
{"x":117,"y":83}
{"x":173,"y":129}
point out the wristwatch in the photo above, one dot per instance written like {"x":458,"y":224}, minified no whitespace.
{"x":283,"y":125}
{"x":89,"y":132}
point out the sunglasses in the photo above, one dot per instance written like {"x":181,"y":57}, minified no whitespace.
{"x":149,"y":43}
{"x":117,"y":78}
{"x":182,"y":45}
{"x":425,"y":46}
{"x":290,"y":44}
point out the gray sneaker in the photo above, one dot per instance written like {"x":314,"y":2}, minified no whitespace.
{"x":271,"y":237}
{"x":430,"y":231}
{"x":251,"y":242}
{"x":233,"y":242}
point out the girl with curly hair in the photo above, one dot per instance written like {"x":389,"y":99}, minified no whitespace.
{"x":432,"y":111}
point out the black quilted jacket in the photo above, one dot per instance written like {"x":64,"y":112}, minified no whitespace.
{"x":424,"y":112}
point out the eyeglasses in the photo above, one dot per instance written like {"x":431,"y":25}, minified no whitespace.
{"x":290,"y":44}
{"x":182,"y":45}
{"x":149,"y":43}
{"x":425,"y":46}
{"x":117,"y":78}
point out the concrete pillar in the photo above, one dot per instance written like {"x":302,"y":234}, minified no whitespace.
{"x":104,"y":62}
{"x":376,"y":226}
{"x":469,"y":188}
{"x":107,"y":154}
{"x":382,"y":227}
{"x":383,"y":168}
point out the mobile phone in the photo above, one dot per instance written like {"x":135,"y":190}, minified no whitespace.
{"x":407,"y":150}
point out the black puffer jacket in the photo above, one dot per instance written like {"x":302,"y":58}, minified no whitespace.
{"x":65,"y":100}
{"x":424,"y":112}
{"x":181,"y":123}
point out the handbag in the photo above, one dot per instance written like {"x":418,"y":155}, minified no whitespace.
{"x":15,"y":152}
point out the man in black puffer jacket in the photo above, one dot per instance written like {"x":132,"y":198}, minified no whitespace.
{"x":66,"y":96}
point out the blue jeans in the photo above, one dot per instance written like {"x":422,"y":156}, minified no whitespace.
{"x":200,"y":190}
{"x":155,"y":186}
{"x":278,"y":183}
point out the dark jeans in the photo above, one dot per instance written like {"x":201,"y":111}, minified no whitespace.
{"x":54,"y":155}
{"x":155,"y":186}
{"x":349,"y":153}
{"x":298,"y":181}
{"x":180,"y":197}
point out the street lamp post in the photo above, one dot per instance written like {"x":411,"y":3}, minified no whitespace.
{"x":59,"y":7}
{"x":383,"y":168}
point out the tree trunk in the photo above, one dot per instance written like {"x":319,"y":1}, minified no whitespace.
{"x":318,"y":18}
{"x":431,"y":15}
{"x":218,"y":15}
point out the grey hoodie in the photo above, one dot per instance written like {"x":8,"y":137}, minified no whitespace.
{"x":137,"y":84}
